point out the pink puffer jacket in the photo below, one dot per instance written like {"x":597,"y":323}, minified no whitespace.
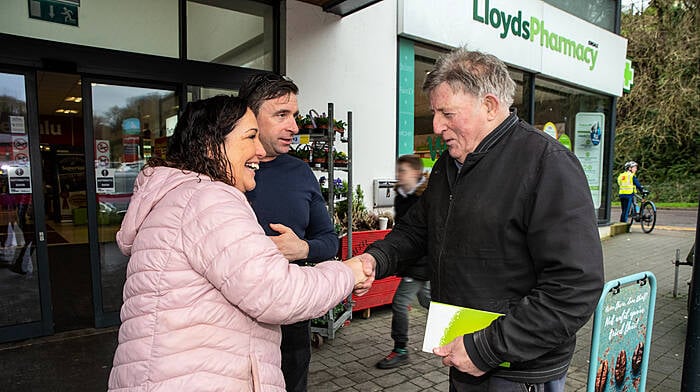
{"x":206,"y":290}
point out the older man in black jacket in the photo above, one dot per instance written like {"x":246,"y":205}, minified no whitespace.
{"x":509,"y":225}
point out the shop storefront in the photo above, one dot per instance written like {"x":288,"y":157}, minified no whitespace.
{"x":568,"y":71}
{"x":88,"y":92}
{"x":564,"y":56}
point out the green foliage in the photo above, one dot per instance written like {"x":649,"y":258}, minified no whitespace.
{"x":659,"y":120}
{"x":361,"y":218}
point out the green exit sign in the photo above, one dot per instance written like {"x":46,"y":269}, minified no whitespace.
{"x":54,"y":11}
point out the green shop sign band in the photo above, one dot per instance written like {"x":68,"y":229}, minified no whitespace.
{"x":531,"y":35}
{"x":532,"y":28}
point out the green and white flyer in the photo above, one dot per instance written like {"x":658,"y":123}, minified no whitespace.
{"x":447,"y":322}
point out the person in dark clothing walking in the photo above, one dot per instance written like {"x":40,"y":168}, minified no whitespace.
{"x":528,"y":249}
{"x":288,"y":204}
{"x":410,"y":184}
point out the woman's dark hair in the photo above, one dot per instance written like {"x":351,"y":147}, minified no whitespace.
{"x":197,"y":144}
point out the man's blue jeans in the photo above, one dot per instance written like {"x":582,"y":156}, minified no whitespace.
{"x":408,"y":289}
{"x":625,"y":203}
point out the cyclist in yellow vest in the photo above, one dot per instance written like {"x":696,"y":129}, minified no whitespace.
{"x":627,"y":181}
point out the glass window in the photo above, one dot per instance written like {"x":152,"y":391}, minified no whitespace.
{"x":426,"y":144}
{"x":565,"y":112}
{"x":236,"y":33}
{"x":149,"y":27}
{"x":195,"y":93}
{"x":131,"y":124}
{"x":19,"y":284}
{"x":599,"y":12}
{"x":521,"y":101}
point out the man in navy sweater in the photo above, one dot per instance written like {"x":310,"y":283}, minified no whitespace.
{"x":288,"y":203}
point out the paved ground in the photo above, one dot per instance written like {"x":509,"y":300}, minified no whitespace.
{"x":347,"y":362}
{"x":80,"y":361}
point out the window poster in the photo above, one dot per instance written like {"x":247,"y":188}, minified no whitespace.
{"x":588,"y":147}
{"x":19,"y":179}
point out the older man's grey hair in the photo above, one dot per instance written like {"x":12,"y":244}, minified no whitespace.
{"x":474,"y":73}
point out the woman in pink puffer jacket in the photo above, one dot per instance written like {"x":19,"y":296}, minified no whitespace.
{"x":206,"y":290}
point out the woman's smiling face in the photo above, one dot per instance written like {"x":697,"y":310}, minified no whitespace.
{"x":243,"y":150}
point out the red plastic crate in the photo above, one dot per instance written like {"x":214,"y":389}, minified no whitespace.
{"x":360,"y":241}
{"x":382,"y":291}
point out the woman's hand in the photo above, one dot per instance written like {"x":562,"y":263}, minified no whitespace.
{"x":355,"y":265}
{"x":365,"y":276}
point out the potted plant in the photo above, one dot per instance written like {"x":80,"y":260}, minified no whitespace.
{"x":321,"y":121}
{"x":362,"y":219}
{"x":319,"y":154}
{"x":339,"y":126}
{"x":340,"y":158}
{"x":304,"y":122}
{"x":340,"y":188}
{"x":303,"y":152}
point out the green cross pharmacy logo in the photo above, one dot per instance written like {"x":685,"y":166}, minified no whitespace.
{"x":629,"y":76}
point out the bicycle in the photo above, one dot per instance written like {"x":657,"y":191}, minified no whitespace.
{"x":642,"y":211}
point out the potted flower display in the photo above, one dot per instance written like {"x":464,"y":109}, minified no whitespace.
{"x":304,"y":122}
{"x":319,"y":154}
{"x":340,"y":159}
{"x":321,"y":122}
{"x":303,"y":152}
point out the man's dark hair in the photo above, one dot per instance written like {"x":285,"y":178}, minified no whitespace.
{"x":197,"y":144}
{"x":265,"y":86}
{"x":412,"y":160}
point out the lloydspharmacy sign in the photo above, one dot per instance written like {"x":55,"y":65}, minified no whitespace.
{"x":535,"y":30}
{"x":531,"y":35}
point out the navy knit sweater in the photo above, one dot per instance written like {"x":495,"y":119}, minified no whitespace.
{"x":287,"y":192}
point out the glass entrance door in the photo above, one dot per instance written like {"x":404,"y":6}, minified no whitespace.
{"x":129,"y":125}
{"x":69,"y":155}
{"x":25,"y":306}
{"x":62,"y":145}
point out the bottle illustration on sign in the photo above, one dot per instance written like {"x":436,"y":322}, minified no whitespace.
{"x":595,"y":134}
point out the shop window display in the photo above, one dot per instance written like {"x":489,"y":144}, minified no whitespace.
{"x":565,"y":113}
{"x":427,"y":144}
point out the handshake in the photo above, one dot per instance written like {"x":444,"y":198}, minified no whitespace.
{"x":363,"y":267}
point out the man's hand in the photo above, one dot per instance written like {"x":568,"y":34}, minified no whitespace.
{"x":368,"y":269}
{"x":357,"y":269}
{"x":454,"y":354}
{"x":292,"y":247}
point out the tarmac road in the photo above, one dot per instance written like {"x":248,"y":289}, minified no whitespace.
{"x":673,"y":218}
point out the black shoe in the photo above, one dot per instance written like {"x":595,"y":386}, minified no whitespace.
{"x":395,"y":358}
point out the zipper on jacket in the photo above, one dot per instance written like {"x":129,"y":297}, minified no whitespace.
{"x":442,"y":248}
